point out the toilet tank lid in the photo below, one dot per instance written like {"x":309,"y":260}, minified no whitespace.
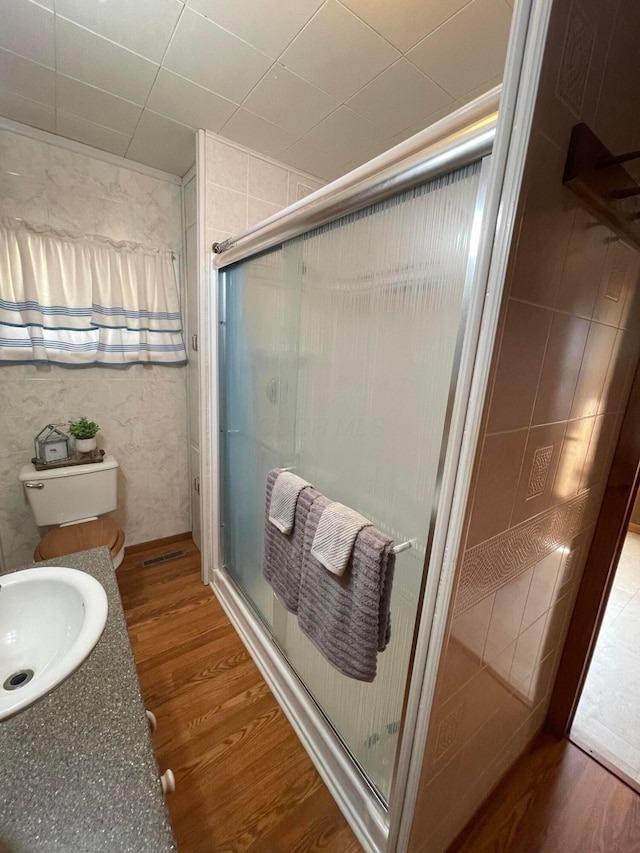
{"x":28,"y":472}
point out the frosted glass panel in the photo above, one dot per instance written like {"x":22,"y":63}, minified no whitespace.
{"x":339,"y":353}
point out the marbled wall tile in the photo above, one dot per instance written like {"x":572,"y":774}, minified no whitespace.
{"x":226,"y":209}
{"x":268,"y":182}
{"x":18,"y":531}
{"x":138,"y":426}
{"x":258,"y":210}
{"x":23,"y":198}
{"x":26,"y":158}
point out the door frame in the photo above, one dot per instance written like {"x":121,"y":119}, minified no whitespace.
{"x":600,"y":568}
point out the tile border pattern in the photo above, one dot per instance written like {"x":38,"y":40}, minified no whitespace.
{"x":490,"y":565}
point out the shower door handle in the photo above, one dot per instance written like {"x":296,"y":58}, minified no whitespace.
{"x":34,"y":485}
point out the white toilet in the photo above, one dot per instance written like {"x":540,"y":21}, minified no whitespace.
{"x":73,"y":497}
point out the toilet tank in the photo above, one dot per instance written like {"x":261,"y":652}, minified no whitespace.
{"x":71,"y":493}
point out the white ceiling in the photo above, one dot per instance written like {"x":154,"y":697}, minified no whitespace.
{"x":321,"y":85}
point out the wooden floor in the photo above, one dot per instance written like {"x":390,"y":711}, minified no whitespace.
{"x":243,"y":781}
{"x":557,"y":799}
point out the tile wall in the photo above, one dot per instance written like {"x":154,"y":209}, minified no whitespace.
{"x":244,"y":187}
{"x":563,"y":362}
{"x":141,"y":409}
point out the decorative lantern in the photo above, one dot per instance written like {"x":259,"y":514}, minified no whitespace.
{"x":51,"y":445}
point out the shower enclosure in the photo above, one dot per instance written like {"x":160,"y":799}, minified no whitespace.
{"x":342,"y":327}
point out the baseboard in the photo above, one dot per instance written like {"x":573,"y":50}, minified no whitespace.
{"x":155,"y":543}
{"x":634,"y":528}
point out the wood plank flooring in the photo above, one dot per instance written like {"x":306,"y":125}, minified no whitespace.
{"x":243,"y":780}
{"x":557,"y":799}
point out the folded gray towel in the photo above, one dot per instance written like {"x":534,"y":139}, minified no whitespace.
{"x":347,"y":618}
{"x":283,"y":553}
{"x":337,"y":530}
{"x":284,"y":498}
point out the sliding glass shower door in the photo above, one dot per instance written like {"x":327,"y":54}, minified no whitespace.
{"x":338,"y":360}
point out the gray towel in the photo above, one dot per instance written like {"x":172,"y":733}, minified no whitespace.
{"x":283,"y":553}
{"x":335,"y":537}
{"x":347,"y":618}
{"x":284,"y":497}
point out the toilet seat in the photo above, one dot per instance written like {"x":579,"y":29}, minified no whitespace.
{"x":81,"y":537}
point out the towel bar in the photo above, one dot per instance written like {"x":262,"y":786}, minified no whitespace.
{"x":403,"y":546}
{"x":397,"y":549}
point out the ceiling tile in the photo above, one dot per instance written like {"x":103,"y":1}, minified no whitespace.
{"x":28,"y":112}
{"x":311,"y":159}
{"x":73,"y":127}
{"x":119,"y":71}
{"x":268,"y":25}
{"x":187,"y":103}
{"x":404,"y":24}
{"x":279,"y":90}
{"x":456,"y":58}
{"x":144,"y":26}
{"x":422,"y":124}
{"x":205,"y":53}
{"x":479,"y":90}
{"x":337,"y":52}
{"x":27,"y":29}
{"x":163,"y":144}
{"x":345,"y":135}
{"x":255,"y":132}
{"x":398,"y":98}
{"x":26,"y":79}
{"x":94,"y":105}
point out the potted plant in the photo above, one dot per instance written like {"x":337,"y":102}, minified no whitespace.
{"x":84,"y":432}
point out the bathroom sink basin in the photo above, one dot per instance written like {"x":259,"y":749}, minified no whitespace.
{"x":50,"y":620}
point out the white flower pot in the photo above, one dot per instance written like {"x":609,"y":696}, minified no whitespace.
{"x":85,"y":445}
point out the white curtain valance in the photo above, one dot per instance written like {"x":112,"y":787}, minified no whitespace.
{"x":77,"y":300}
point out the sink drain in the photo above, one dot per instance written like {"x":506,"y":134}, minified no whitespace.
{"x":18,"y":679}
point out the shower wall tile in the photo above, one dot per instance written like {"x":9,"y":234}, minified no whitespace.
{"x":571,"y":463}
{"x":496,"y":485}
{"x":524,"y":341}
{"x":141,"y":409}
{"x":601,"y":446}
{"x":562,"y":367}
{"x":268,"y":182}
{"x":226,"y":209}
{"x":621,"y":368}
{"x":546,"y":221}
{"x":583,"y":265}
{"x":539,"y":465}
{"x":593,"y":370}
{"x":506,"y":618}
{"x":244,"y":187}
{"x":257,"y":210}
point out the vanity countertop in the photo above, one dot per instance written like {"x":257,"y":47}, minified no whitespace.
{"x":77,"y":768}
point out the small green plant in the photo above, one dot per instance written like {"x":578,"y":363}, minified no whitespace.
{"x":83,"y":428}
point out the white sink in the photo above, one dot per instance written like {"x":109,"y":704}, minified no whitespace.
{"x":50,"y":620}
